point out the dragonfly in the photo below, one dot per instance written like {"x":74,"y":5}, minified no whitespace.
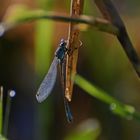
{"x":49,"y":81}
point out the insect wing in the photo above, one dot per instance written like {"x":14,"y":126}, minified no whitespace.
{"x":48,"y":82}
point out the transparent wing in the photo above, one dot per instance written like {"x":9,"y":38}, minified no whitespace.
{"x":48,"y":82}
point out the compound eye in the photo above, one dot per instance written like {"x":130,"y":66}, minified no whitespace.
{"x":62,"y":40}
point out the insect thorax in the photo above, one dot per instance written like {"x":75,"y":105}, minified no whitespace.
{"x":61,"y":50}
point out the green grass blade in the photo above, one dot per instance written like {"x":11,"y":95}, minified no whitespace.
{"x":116,"y":107}
{"x":2,"y":138}
{"x":1,"y":108}
{"x":87,"y":130}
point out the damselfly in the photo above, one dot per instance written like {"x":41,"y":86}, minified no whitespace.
{"x":49,"y":81}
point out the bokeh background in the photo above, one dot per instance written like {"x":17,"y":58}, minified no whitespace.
{"x":26,"y":53}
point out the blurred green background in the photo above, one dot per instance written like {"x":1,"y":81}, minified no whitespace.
{"x":26,"y":53}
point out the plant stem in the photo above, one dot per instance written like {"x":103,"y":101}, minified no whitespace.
{"x":100,"y":24}
{"x":73,"y":46}
{"x":1,"y":108}
{"x":11,"y":94}
{"x":116,"y":106}
{"x":110,"y":13}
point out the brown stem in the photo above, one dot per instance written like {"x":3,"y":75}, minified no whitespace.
{"x":99,"y":23}
{"x":110,"y":13}
{"x":73,"y":43}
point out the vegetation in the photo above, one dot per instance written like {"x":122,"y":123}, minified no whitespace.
{"x":101,"y":60}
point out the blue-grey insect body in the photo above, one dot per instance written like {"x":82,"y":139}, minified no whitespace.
{"x":60,"y":52}
{"x":49,"y":80}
